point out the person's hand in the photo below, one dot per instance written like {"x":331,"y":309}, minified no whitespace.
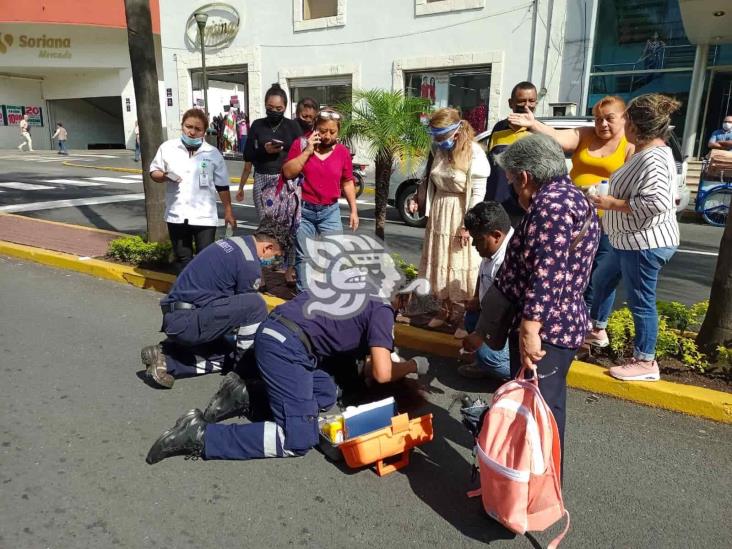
{"x":464,"y":236}
{"x":472,"y":342}
{"x":472,"y":305}
{"x":530,"y":344}
{"x":522,"y":119}
{"x":353,"y":220}
{"x":272,"y":148}
{"x":229,"y":218}
{"x":240,"y":195}
{"x":412,"y":206}
{"x":313,"y":140}
{"x":423,"y":365}
{"x":602,"y":202}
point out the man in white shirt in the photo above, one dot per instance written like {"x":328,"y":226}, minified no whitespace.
{"x":490,"y":228}
{"x":25,"y":134}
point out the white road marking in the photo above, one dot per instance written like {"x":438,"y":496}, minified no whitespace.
{"x":112,"y":180}
{"x":25,"y":186}
{"x":696,"y":252}
{"x":53,"y":204}
{"x":74,"y":182}
{"x":136,"y":176}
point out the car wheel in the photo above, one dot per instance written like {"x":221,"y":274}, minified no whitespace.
{"x":406,"y":192}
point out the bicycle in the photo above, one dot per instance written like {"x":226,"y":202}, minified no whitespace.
{"x":713,"y":197}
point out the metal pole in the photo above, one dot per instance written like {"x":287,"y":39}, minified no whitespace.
{"x":695,"y":96}
{"x":590,"y":52}
{"x":204,"y":76}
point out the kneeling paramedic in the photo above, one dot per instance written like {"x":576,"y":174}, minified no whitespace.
{"x":213,"y":299}
{"x":289,"y":347}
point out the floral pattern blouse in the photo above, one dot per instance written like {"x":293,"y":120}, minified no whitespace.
{"x":540,"y":275}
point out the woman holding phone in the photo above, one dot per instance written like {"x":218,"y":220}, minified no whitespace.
{"x":266,"y":150}
{"x":327,"y":171}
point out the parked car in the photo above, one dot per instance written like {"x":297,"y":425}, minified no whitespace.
{"x":403,"y":185}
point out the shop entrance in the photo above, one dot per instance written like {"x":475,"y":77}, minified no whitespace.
{"x":92,"y":122}
{"x":718,"y":105}
{"x":227,"y":106}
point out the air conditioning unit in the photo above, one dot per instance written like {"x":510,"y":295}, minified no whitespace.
{"x":563,"y":109}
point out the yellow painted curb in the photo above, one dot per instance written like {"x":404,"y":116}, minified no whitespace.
{"x":696,"y":401}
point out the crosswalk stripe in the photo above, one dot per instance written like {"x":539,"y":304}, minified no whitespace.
{"x":74,"y":182}
{"x":52,"y":204}
{"x":112,"y":180}
{"x":137,"y":176}
{"x":24,"y":186}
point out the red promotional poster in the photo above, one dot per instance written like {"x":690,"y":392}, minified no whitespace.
{"x":14,"y":114}
{"x":35,"y":115}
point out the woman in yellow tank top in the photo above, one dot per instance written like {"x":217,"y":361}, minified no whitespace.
{"x":596,"y":153}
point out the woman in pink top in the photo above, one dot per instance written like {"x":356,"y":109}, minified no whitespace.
{"x":327,"y":172}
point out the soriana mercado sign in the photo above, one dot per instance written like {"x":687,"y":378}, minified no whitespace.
{"x":221,"y":27}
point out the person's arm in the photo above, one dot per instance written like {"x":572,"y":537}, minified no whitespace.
{"x":159,"y":168}
{"x":713,"y":142}
{"x":222,"y":183}
{"x":385,"y":370}
{"x":244,"y":178}
{"x":349,"y":189}
{"x":480,"y":169}
{"x":296,"y":159}
{"x":629,"y":151}
{"x":55,"y":135}
{"x":568,"y":139}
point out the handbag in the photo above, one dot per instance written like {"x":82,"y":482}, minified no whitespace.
{"x":421,"y":196}
{"x":498,"y":313}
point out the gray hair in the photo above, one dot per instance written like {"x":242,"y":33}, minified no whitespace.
{"x":538,"y":155}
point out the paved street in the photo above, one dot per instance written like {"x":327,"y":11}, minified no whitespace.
{"x":39,"y":185}
{"x":77,"y":423}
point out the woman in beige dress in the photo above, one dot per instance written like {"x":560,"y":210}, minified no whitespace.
{"x":456,"y":183}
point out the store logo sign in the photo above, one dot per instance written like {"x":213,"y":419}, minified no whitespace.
{"x":6,"y":40}
{"x":221,"y":28}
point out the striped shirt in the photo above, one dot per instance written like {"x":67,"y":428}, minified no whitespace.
{"x":647,"y":181}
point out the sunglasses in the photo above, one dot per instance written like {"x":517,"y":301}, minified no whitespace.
{"x":328,"y":115}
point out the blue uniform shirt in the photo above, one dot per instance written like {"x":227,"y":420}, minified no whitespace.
{"x":221,"y":269}
{"x":721,"y":135}
{"x":372,"y":327}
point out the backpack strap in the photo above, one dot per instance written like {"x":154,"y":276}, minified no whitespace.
{"x":474,"y":493}
{"x":553,"y":544}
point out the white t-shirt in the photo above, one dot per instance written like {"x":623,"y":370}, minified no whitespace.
{"x":23,"y":126}
{"x":194,"y":198}
{"x":490,"y":265}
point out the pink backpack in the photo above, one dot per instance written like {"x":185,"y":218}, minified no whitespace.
{"x":519,"y":457}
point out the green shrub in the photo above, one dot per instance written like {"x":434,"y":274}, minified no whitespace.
{"x":691,"y":356}
{"x":667,"y":343}
{"x":409,"y":270}
{"x":681,"y":317}
{"x":134,"y":250}
{"x":621,"y":331}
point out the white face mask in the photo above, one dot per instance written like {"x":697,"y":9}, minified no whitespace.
{"x":727,"y":126}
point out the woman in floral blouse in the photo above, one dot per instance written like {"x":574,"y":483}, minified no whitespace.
{"x":547,"y":267}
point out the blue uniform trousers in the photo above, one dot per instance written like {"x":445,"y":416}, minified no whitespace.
{"x":296,"y":389}
{"x":211,"y":338}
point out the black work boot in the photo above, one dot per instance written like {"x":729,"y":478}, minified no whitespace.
{"x":185,"y":438}
{"x":231,"y":398}
{"x":154,"y":360}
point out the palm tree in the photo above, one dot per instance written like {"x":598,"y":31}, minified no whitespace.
{"x":388,"y":124}
{"x":716,"y":329}
{"x":145,"y":81}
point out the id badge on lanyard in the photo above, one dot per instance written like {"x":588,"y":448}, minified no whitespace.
{"x":203,"y":176}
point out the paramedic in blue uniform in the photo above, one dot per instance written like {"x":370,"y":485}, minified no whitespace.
{"x":288,"y":348}
{"x":215,"y":295}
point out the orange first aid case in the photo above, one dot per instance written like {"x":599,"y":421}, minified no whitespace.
{"x":395,"y":440}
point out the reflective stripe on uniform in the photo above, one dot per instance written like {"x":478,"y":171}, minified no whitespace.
{"x":239,"y":241}
{"x":248,"y":330}
{"x":244,"y":344}
{"x":272,"y":333}
{"x":281,"y":438}
{"x":269,"y":446}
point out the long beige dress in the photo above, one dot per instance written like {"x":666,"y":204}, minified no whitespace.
{"x":451,"y":268}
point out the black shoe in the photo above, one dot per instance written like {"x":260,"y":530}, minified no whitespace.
{"x":154,"y":360}
{"x":186,"y":438}
{"x":231,"y":398}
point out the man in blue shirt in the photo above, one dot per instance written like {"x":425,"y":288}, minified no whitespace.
{"x":215,"y":295}
{"x":289,"y":347}
{"x":722,"y":139}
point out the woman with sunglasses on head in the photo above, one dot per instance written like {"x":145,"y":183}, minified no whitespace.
{"x":458,"y":171}
{"x":327,"y":171}
{"x":266,"y":149}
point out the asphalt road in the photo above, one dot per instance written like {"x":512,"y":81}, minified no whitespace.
{"x":76,"y":424}
{"x":114,"y":201}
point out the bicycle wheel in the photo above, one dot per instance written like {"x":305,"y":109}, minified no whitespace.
{"x":715,"y":207}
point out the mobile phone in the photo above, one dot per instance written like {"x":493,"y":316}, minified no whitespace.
{"x":278,"y":142}
{"x":173,"y":176}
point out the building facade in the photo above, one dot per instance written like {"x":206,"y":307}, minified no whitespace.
{"x":67,"y":62}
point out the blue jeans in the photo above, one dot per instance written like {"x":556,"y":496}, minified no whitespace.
{"x":62,"y":147}
{"x":603,"y":248}
{"x":137,"y":151}
{"x":639,"y":269}
{"x":316,"y":220}
{"x":496,"y":363}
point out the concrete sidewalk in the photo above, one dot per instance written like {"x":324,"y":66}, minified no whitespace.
{"x":82,"y":249}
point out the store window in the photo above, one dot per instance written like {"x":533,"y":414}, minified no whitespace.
{"x":317,"y":9}
{"x":327,"y":91}
{"x":227,"y":106}
{"x":467,"y":90}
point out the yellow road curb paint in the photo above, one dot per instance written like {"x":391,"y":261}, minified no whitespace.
{"x":695,"y":401}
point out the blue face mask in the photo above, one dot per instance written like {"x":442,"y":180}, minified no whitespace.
{"x":446,"y":145}
{"x":191,"y":141}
